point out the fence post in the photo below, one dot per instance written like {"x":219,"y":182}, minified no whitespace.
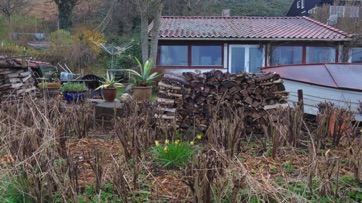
{"x":300,"y":99}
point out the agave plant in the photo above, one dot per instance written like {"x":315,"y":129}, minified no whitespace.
{"x":144,"y":77}
{"x":109,"y":81}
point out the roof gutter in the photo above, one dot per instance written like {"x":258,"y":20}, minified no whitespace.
{"x":253,"y":39}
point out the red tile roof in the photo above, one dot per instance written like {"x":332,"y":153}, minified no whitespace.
{"x":248,"y":28}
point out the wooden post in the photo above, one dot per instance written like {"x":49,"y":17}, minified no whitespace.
{"x":300,"y":99}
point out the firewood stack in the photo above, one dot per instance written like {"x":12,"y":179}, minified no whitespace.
{"x":216,"y":93}
{"x":15,"y":82}
{"x":171,"y":90}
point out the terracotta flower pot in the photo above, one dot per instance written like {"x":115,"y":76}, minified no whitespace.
{"x":142,"y":93}
{"x":109,"y":94}
{"x":51,"y":92}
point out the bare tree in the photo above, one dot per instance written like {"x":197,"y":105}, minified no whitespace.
{"x":149,"y":10}
{"x":65,"y":8}
{"x":348,"y":20}
{"x":9,"y":7}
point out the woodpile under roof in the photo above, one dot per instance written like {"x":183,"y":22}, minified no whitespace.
{"x":16,"y":81}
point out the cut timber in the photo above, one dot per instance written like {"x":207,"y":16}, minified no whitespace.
{"x":17,"y":85}
{"x":274,"y":106}
{"x":13,"y":80}
{"x":175,"y":78}
{"x":169,"y":86}
{"x":167,"y":109}
{"x":272,"y":82}
{"x":24,"y":74}
{"x":165,"y":101}
{"x":165,"y":117}
{"x":5,"y":72}
{"x":25,"y":90}
{"x":26,"y":78}
{"x":5,"y":86}
{"x":170,"y":94}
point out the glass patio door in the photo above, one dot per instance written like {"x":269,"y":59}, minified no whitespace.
{"x":245,"y":58}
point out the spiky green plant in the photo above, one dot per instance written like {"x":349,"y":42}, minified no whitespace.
{"x":109,"y":81}
{"x":144,"y":77}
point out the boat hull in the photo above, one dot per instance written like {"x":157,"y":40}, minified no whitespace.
{"x":315,"y":94}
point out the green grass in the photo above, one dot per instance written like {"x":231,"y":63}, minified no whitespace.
{"x":14,"y":190}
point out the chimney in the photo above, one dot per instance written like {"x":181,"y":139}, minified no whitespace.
{"x":226,"y":13}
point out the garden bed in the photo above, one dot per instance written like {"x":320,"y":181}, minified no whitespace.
{"x":60,"y":155}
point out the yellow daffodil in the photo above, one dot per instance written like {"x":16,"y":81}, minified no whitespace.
{"x":165,"y":149}
{"x":157,"y":143}
{"x":199,"y":136}
{"x":360,"y":131}
{"x":177,"y":142}
{"x":167,"y":141}
{"x":192,"y":143}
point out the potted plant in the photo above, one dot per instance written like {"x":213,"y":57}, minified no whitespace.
{"x":50,"y":89}
{"x":143,"y":80}
{"x":74,"y":92}
{"x":109,"y":87}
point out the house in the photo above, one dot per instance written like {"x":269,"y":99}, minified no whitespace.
{"x":341,"y":8}
{"x":245,"y":43}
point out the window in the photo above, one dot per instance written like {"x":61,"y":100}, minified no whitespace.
{"x":287,"y":55}
{"x":320,"y":54}
{"x":356,"y":55}
{"x":302,"y":4}
{"x":298,"y":4}
{"x":206,"y":55}
{"x":201,"y":55}
{"x":173,"y":56}
{"x":344,"y":11}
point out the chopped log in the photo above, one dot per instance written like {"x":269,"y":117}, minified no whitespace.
{"x":165,"y":101}
{"x":167,"y":109}
{"x":175,"y":78}
{"x":162,"y":84}
{"x":272,"y":82}
{"x":170,"y":94}
{"x":24,"y":74}
{"x":164,"y":117}
{"x":275,"y":106}
{"x":26,"y":78}
{"x":5,"y":72}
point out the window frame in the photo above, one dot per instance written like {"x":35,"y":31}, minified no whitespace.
{"x":189,"y":55}
{"x":191,"y":61}
{"x":304,"y":52}
{"x":335,"y":56}
{"x":351,"y":54}
{"x":272,"y":53}
{"x":159,"y":56}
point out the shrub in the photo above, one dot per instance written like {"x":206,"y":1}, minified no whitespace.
{"x":172,"y":154}
{"x":74,"y":87}
{"x":43,"y":85}
{"x":90,"y":37}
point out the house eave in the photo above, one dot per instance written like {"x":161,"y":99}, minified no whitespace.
{"x":253,"y":39}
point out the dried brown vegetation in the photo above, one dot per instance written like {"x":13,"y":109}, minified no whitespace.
{"x":54,"y":148}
